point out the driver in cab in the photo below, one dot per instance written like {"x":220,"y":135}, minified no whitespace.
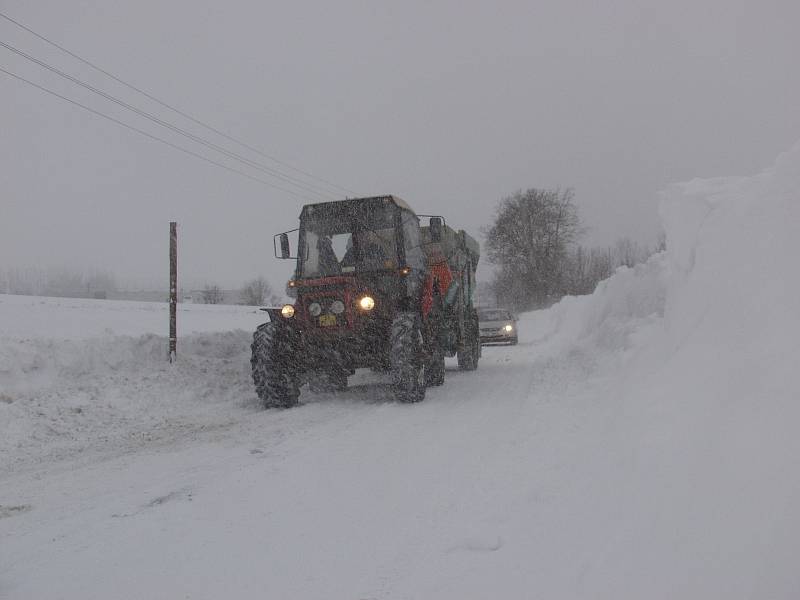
{"x":373,"y":255}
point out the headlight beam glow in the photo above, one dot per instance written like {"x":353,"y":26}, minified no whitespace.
{"x":366,"y":303}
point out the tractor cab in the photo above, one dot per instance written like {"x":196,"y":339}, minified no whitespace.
{"x":356,"y":248}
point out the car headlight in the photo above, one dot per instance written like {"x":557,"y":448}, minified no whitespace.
{"x":287,"y":311}
{"x":508,"y":328}
{"x":315,"y":309}
{"x":337,"y":307}
{"x":366,"y":303}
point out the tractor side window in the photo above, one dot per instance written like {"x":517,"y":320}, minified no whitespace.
{"x":415,"y":256}
{"x":311,"y":263}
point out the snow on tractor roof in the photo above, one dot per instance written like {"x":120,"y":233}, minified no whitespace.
{"x":394,"y":199}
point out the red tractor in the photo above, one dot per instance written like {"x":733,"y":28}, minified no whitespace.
{"x":372,"y":289}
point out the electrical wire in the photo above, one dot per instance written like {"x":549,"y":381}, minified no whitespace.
{"x":154,"y":137}
{"x":285,"y":178}
{"x":173,"y":108}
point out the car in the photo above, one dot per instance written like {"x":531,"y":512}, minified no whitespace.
{"x":497,"y":326}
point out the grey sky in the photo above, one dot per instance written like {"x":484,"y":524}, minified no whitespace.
{"x":450,"y":105}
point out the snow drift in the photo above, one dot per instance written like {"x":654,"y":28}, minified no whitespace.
{"x":609,"y":323}
{"x":107,"y":395}
{"x":707,"y":335}
{"x":91,"y":377}
{"x":712,"y":400}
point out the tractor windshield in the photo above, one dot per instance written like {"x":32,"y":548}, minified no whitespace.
{"x":343,"y":237}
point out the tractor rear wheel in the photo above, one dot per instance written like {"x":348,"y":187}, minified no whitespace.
{"x":274,"y":377}
{"x":468,"y":356}
{"x":434,"y":374}
{"x":435,"y":329}
{"x":407,"y":358}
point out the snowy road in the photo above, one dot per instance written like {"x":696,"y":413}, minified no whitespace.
{"x":348,"y":496}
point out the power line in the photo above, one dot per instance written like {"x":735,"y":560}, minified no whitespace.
{"x":154,"y":137}
{"x":173,"y":108}
{"x":285,"y":178}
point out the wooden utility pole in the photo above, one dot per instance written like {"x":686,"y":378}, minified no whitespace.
{"x":173,"y":288}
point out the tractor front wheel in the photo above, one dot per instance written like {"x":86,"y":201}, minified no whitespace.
{"x":407,"y":358}
{"x":273,"y":372}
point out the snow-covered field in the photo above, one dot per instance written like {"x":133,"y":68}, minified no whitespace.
{"x":638,"y":443}
{"x":34,"y":317}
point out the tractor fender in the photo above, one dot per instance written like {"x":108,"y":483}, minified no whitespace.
{"x":274,"y":315}
{"x":290,"y":334}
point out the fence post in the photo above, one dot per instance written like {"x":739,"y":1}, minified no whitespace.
{"x":173,"y":288}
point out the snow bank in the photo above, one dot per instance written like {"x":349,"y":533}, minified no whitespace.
{"x":714,"y":398}
{"x":610,"y":321}
{"x":703,"y":438}
{"x":726,"y":282}
{"x":91,"y":375}
{"x":60,"y":397}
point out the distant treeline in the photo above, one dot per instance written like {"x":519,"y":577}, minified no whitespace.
{"x":58,"y":281}
{"x":254,"y":292}
{"x":96,"y":283}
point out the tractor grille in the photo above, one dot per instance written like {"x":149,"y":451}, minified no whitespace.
{"x":326,"y":318}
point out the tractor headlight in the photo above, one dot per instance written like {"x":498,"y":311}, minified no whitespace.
{"x":315,"y":309}
{"x":508,"y":328}
{"x":337,"y":307}
{"x":366,"y":303}
{"x":287,"y":311}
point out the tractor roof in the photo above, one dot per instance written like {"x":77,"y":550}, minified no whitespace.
{"x":388,"y":198}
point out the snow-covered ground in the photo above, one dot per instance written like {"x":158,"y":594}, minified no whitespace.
{"x":34,"y":317}
{"x":638,"y":443}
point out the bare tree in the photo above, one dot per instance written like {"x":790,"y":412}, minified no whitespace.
{"x":529,"y":240}
{"x":630,"y":253}
{"x":211,"y":294}
{"x":257,"y":292}
{"x":586,"y":268}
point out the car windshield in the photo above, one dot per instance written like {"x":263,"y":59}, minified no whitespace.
{"x":342,"y":238}
{"x":496,"y":314}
